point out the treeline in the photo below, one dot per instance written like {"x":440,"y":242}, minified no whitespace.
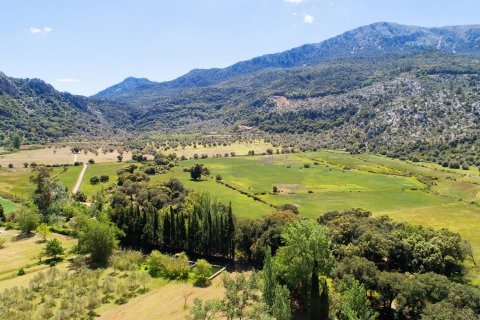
{"x":379,"y":269}
{"x":167,"y":218}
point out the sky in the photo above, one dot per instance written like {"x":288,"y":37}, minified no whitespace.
{"x":84,"y":46}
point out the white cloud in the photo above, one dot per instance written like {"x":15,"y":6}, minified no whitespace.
{"x":35,"y":30}
{"x":294,"y":1}
{"x":68,"y":80}
{"x":308,"y":18}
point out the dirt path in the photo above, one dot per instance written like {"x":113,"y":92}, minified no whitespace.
{"x":80,"y":178}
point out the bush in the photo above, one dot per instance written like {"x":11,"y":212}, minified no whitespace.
{"x":80,"y":196}
{"x":91,"y":161}
{"x":202,"y":273}
{"x":150,"y":170}
{"x":94,"y":180}
{"x":218,"y":177}
{"x":160,"y":265}
{"x":104,"y":178}
{"x":21,"y":272}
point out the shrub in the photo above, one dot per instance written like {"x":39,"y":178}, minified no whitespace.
{"x":218,"y":177}
{"x":150,"y":170}
{"x":104,"y":178}
{"x":274,"y":189}
{"x":91,"y":161}
{"x":306,"y":165}
{"x":94,"y":180}
{"x":202,"y":273}
{"x":80,"y":196}
{"x":160,"y":265}
{"x":21,"y":272}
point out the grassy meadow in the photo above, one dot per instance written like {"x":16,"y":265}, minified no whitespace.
{"x":318,"y":182}
{"x":8,"y":206}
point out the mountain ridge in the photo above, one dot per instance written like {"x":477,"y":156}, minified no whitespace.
{"x":377,"y":39}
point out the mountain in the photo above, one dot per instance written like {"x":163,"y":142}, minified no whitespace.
{"x":125,"y":86}
{"x":375,"y":40}
{"x":39,"y":113}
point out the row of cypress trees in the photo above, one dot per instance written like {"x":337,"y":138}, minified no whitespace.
{"x":205,"y":227}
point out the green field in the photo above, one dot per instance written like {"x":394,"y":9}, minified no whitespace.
{"x":316,"y":182}
{"x":337,"y":181}
{"x":97,"y":169}
{"x":8,"y":206}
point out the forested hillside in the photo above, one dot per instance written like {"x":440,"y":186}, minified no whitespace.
{"x":37,"y":112}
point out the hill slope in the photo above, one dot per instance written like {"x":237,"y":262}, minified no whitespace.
{"x":36,"y":111}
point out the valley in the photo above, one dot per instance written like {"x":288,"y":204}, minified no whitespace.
{"x":336,"y":180}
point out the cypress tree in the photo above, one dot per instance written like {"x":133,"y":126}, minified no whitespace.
{"x":324,"y":303}
{"x":315,"y":303}
{"x":166,"y":230}
{"x":231,"y":233}
{"x":281,"y":306}
{"x":269,"y":279}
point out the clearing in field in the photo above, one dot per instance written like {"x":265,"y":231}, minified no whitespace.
{"x":239,"y":148}
{"x":59,"y":155}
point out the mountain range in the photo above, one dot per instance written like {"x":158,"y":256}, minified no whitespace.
{"x":390,"y":83}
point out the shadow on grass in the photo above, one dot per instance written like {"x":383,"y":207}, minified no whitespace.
{"x":23,"y":236}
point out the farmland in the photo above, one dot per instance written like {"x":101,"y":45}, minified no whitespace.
{"x":315,"y":182}
{"x":323,"y":181}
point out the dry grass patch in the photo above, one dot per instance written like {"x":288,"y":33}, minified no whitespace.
{"x":57,"y":156}
{"x":167,"y":302}
{"x":23,"y":252}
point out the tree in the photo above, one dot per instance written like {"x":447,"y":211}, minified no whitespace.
{"x":269,"y":279}
{"x":54,"y":248}
{"x":280,"y":309}
{"x":447,"y":311}
{"x":49,"y":193}
{"x":204,"y":311}
{"x":2,"y":213}
{"x":17,"y":141}
{"x":94,"y":180}
{"x":196,"y":171}
{"x":355,"y":305}
{"x":202,"y":273}
{"x":306,"y":251}
{"x":98,"y":239}
{"x":27,"y":220}
{"x":240,"y":293}
{"x":43,"y":230}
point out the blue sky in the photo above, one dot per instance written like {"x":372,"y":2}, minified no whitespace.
{"x":85,"y":46}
